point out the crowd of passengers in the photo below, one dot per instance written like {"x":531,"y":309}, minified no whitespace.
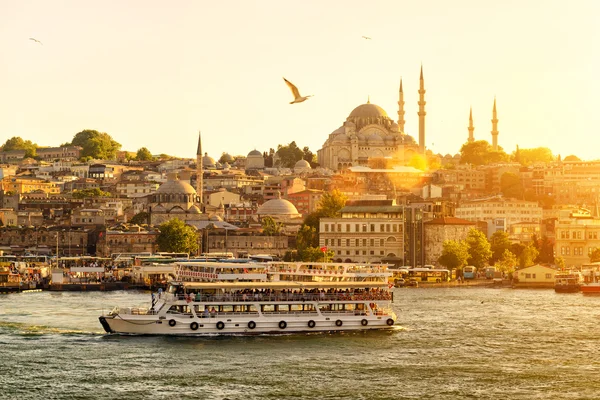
{"x":287,"y":295}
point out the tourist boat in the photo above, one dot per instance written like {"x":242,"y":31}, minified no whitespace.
{"x":221,"y":298}
{"x":567,"y":282}
{"x":591,"y":285}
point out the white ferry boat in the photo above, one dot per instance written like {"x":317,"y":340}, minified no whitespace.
{"x":221,"y":298}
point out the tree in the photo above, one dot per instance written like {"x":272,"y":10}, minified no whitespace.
{"x":507,"y":262}
{"x":418,"y":161}
{"x":309,"y":156}
{"x":307,"y":237}
{"x":94,"y":192}
{"x":98,"y":145}
{"x":315,"y":254}
{"x":270,"y":227}
{"x":560,"y":263}
{"x":528,"y":256}
{"x":331,"y":203}
{"x":454,"y":254}
{"x":17,"y":143}
{"x":140,"y":218}
{"x":511,"y":185}
{"x":289,"y":155}
{"x":143,"y":154}
{"x":479,"y":248}
{"x":595,"y":255}
{"x":499,"y":243}
{"x":530,"y":156}
{"x":546,"y":249}
{"x":177,"y":237}
{"x":480,"y":152}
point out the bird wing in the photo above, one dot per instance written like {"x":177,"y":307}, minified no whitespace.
{"x":35,"y":40}
{"x":293,"y":88}
{"x":366,"y":37}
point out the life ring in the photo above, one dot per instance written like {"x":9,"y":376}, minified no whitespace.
{"x":220,"y":325}
{"x":364,"y":322}
{"x":282,"y":324}
{"x":311,"y":324}
{"x":251,"y":324}
{"x":390,"y":322}
{"x":338,"y":322}
{"x":194,"y":326}
{"x":172,"y":322}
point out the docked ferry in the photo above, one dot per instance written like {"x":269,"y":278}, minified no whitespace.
{"x":221,"y":298}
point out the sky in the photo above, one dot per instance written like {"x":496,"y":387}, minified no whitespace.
{"x":154,"y":73}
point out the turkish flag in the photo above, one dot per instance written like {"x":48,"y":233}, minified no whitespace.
{"x":324,"y":249}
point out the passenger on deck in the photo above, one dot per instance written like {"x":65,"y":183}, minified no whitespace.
{"x":206,"y":314}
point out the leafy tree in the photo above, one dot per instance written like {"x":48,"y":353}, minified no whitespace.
{"x":95,"y":192}
{"x":454,"y":254}
{"x":289,"y":155}
{"x":479,"y":248}
{"x":143,"y":154}
{"x":530,"y":156}
{"x":528,"y":256}
{"x":560,"y":263}
{"x":507,"y":262}
{"x":140,"y":218}
{"x":595,"y":255}
{"x":309,"y":156}
{"x":331,"y":203}
{"x":511,"y":185}
{"x":517,"y":249}
{"x":96,"y":144}
{"x":307,"y":237}
{"x":546,"y":249}
{"x":499,"y":243}
{"x":268,"y":157}
{"x":177,"y":237}
{"x":17,"y":143}
{"x":270,"y":227}
{"x":315,"y":254}
{"x":418,"y":161}
{"x":480,"y":152}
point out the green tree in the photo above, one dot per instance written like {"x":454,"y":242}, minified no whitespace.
{"x":560,"y":263}
{"x":140,"y":218}
{"x":418,"y":161}
{"x":314,"y":254}
{"x":530,"y":156}
{"x":479,"y":248}
{"x":307,"y":237}
{"x":98,"y":145}
{"x":499,"y":243}
{"x":454,"y":254}
{"x":507,"y":262}
{"x":270,"y":227}
{"x":143,"y":154}
{"x":289,"y":155}
{"x":309,"y":156}
{"x":94,"y":192}
{"x":17,"y":143}
{"x":511,"y":185}
{"x":595,"y":255}
{"x":331,"y":203}
{"x":480,"y":152}
{"x":528,"y":256}
{"x":546,"y":249}
{"x":177,"y":237}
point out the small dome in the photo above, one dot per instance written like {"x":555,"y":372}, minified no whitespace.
{"x":389,"y":140}
{"x":194,"y":210}
{"x":159,"y":208}
{"x":302,"y":165}
{"x":341,"y":138}
{"x":208,"y":161}
{"x":368,"y":111}
{"x":255,"y":153}
{"x":177,"y":210}
{"x":277,"y":207}
{"x":339,"y":130}
{"x":361,"y":138}
{"x":215,"y":218}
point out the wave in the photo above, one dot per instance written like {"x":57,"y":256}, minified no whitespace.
{"x":20,"y":328}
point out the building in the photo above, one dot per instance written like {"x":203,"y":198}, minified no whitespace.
{"x":577,"y":234}
{"x":130,"y":240}
{"x":438,"y":230}
{"x":366,"y":231}
{"x":22,"y":184}
{"x":535,"y":276}
{"x":305,"y":201}
{"x":59,"y":153}
{"x":133,"y":188}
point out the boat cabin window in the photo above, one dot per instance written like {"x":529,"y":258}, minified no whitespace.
{"x":179,"y":310}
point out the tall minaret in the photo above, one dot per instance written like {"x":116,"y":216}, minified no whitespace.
{"x":199,"y":170}
{"x":494,"y":128}
{"x":471,"y":127}
{"x":422,"y":113}
{"x":401,"y":109}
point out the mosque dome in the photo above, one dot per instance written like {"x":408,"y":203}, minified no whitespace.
{"x":194,"y":209}
{"x":208,"y":161}
{"x":277,"y":207}
{"x":255,"y":153}
{"x":368,"y":111}
{"x":341,"y":138}
{"x":375,"y":140}
{"x":361,"y":138}
{"x":176,"y":187}
{"x":226,"y":158}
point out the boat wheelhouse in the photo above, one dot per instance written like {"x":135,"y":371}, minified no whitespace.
{"x":256,"y":298}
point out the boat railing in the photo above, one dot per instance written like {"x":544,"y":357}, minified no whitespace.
{"x":132,"y":311}
{"x":296,"y":297}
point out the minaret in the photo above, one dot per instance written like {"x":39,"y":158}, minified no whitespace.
{"x":494,"y":128}
{"x":199,"y":170}
{"x":401,"y":109}
{"x":422,"y":114}
{"x":471,"y":127}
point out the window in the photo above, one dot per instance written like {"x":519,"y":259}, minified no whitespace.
{"x":347,"y":242}
{"x":339,"y":242}
{"x":372,"y":242}
{"x":381,"y":241}
{"x":326,"y":227}
{"x":364,"y":243}
{"x":548,"y":276}
{"x":394,"y":228}
{"x":372,"y":227}
{"x":339,"y":226}
{"x":347,"y":227}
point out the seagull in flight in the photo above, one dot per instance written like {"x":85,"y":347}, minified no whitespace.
{"x":366,"y":37}
{"x":35,"y":40}
{"x":296,"y":93}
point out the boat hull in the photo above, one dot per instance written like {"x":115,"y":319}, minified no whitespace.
{"x":182,"y":326}
{"x":590,"y":290}
{"x":567,"y":288}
